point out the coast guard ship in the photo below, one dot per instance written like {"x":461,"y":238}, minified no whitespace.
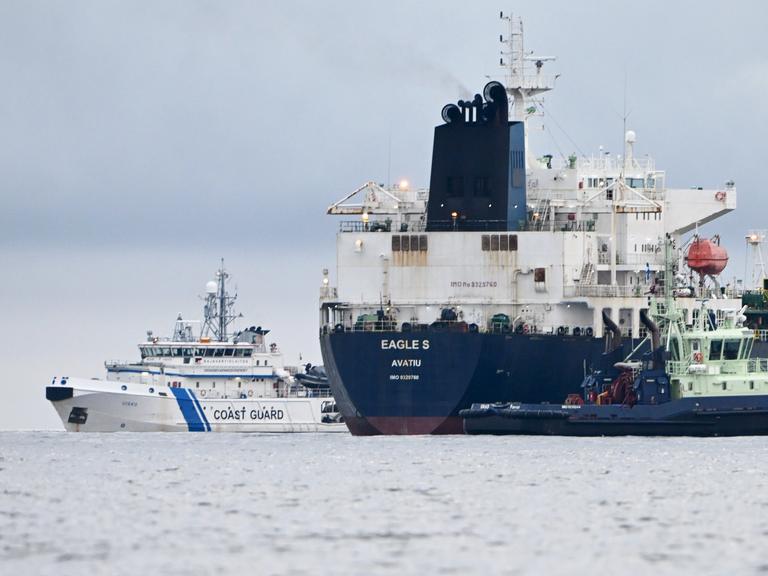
{"x":514,"y":276}
{"x":206,"y":382}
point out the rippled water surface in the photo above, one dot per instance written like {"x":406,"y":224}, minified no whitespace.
{"x":334,"y":504}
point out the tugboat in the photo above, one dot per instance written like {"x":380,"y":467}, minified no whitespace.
{"x":697,"y":379}
{"x":206,"y":382}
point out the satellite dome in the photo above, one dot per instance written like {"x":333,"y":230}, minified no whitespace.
{"x":210,"y":287}
{"x":630,"y":136}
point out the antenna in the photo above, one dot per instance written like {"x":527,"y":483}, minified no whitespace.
{"x":523,"y":70}
{"x":523,"y":73}
{"x":389,"y":158}
{"x":218,"y":310}
{"x":755,"y":259}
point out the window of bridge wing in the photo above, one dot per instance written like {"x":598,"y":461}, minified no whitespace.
{"x":395,"y":243}
{"x":504,"y":243}
{"x":495,"y":243}
{"x":513,"y":242}
{"x":405,"y":244}
{"x":423,"y":243}
{"x":414,"y":243}
{"x":454,"y":186}
{"x":485,"y":242}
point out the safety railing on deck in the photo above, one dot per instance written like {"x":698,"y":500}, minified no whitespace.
{"x":757,"y":365}
{"x":602,"y":291}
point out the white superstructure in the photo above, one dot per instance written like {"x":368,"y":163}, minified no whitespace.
{"x":590,"y":247}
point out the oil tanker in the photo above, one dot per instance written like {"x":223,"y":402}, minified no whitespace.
{"x":514,"y":276}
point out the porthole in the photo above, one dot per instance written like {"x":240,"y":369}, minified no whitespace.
{"x":123,"y":387}
{"x":151,"y":390}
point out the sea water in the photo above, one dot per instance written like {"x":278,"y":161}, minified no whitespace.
{"x":315,"y":504}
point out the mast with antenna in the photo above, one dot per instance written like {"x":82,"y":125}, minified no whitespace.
{"x":523,"y":75}
{"x":219,"y":310}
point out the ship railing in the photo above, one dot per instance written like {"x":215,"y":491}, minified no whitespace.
{"x":405,"y":327}
{"x":328,"y":293}
{"x":757,"y":365}
{"x":299,"y":391}
{"x":761,"y":335}
{"x":736,"y":367}
{"x":676,"y":367}
{"x":380,"y":226}
{"x":460,"y":225}
{"x":116,"y":363}
{"x":632,"y":259}
{"x":601,"y":291}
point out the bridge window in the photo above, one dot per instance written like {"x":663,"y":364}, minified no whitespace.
{"x":248,"y":352}
{"x":395,"y":243}
{"x":715,"y":349}
{"x":731,"y":349}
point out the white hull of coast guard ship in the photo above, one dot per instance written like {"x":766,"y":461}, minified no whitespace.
{"x":211,"y":382}
{"x":103,"y":406}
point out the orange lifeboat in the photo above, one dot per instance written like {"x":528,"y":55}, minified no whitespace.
{"x":706,"y":257}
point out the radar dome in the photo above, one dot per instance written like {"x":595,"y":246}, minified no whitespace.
{"x":210,"y":287}
{"x":630,"y":136}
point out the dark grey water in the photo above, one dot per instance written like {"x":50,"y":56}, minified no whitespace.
{"x":333,"y":504}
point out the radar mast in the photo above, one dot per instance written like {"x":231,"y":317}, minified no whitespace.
{"x":218,"y":311}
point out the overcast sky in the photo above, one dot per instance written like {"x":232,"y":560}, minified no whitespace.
{"x":141,"y":141}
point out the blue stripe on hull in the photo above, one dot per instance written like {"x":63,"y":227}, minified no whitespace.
{"x":199,"y":409}
{"x":188,"y":409}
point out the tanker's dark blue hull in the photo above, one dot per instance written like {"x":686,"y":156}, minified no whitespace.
{"x":702,"y":416}
{"x":416,"y":383}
